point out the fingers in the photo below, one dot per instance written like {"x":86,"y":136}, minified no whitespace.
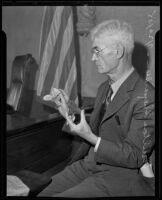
{"x":54,"y":92}
{"x":69,"y":121}
{"x":62,"y":98}
{"x":59,"y":100}
{"x":82,"y":116}
{"x":64,"y":94}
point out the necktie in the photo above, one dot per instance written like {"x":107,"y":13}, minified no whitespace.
{"x":108,"y":97}
{"x":106,"y":102}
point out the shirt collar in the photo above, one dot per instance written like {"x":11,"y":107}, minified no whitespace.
{"x":115,"y":86}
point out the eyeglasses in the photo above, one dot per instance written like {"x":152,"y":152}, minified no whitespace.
{"x":97,"y":51}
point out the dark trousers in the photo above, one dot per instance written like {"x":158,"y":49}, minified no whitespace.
{"x":85,"y":178}
{"x":74,"y":181}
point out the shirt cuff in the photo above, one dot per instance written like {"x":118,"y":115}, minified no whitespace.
{"x":97,"y":144}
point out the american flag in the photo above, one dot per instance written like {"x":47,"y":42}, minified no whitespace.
{"x":57,"y":53}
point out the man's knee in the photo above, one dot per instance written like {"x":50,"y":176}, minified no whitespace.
{"x":71,"y":176}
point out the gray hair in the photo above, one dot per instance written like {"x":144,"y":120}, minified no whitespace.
{"x":115,"y":31}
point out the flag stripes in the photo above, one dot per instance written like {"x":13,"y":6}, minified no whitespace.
{"x":64,"y":50}
{"x":50,"y":50}
{"x":47,"y":19}
{"x":57,"y":53}
{"x":72,"y":76}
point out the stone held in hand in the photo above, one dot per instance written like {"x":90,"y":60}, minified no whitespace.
{"x":54,"y":93}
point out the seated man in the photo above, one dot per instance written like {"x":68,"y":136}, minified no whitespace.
{"x":120,"y":137}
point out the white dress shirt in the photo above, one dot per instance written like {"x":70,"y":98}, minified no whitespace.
{"x":115,"y":86}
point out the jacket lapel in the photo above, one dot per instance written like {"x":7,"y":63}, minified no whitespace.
{"x":122,"y":95}
{"x":96,"y":115}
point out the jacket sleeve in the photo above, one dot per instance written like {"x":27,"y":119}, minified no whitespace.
{"x":83,"y":145}
{"x":134,"y":150}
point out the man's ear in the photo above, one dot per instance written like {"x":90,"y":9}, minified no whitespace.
{"x":120,"y":50}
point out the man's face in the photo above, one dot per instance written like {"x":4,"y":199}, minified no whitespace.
{"x":104,"y":57}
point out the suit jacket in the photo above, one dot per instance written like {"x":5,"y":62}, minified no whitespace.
{"x":127,"y":128}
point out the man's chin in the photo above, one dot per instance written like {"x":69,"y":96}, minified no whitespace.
{"x":101,"y":71}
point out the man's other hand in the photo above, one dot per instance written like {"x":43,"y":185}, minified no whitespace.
{"x":82,"y":129}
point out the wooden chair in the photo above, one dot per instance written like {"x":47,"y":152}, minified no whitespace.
{"x":21,"y":90}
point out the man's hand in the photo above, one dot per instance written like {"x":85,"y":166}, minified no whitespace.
{"x":62,"y":105}
{"x":64,"y":95}
{"x":82,"y":129}
{"x":60,"y":98}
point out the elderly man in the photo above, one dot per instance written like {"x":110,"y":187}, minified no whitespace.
{"x":120,"y":137}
